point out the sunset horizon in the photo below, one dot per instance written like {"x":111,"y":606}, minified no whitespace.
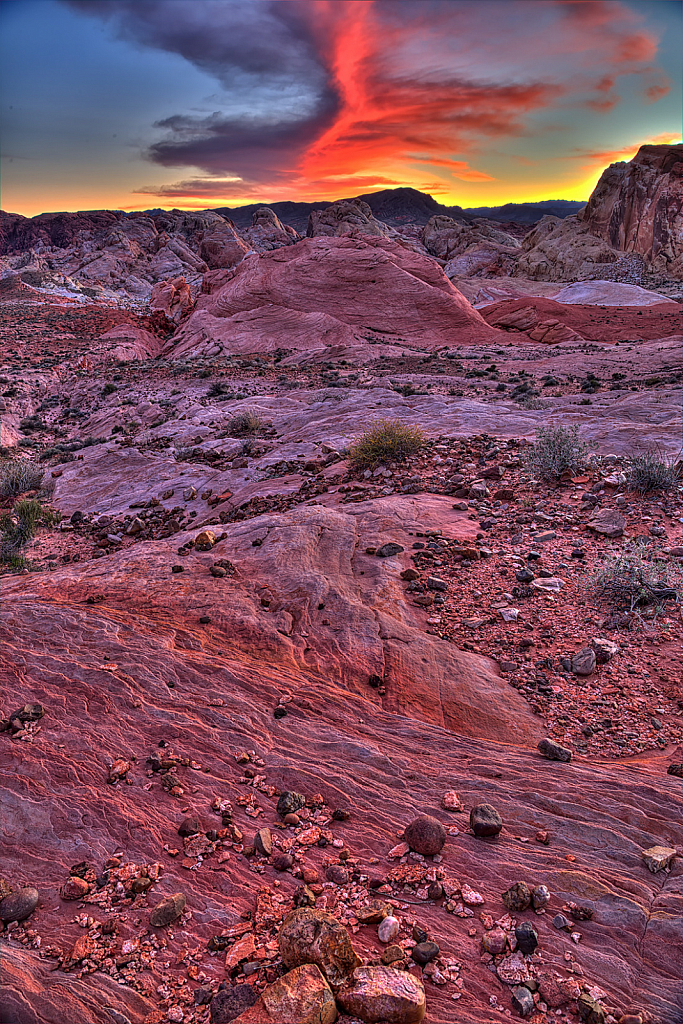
{"x":111,"y":104}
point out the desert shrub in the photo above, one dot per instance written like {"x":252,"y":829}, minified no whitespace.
{"x":385,"y":440}
{"x":651,"y":470}
{"x":557,"y":450}
{"x":19,"y":475}
{"x":19,"y":526}
{"x":109,"y":389}
{"x":632,"y":578}
{"x":245,"y":423}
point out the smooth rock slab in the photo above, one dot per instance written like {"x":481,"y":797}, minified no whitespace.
{"x":312,"y":937}
{"x":19,"y":905}
{"x":383,"y":994}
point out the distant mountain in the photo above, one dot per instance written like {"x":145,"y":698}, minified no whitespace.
{"x":528,"y":213}
{"x":398,"y":206}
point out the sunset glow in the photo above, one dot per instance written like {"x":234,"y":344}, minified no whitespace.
{"x":211,"y":103}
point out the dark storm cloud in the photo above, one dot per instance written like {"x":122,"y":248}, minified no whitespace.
{"x":265,"y":58}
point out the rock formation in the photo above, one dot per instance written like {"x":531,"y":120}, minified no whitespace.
{"x":349,"y":217}
{"x":637,"y":207}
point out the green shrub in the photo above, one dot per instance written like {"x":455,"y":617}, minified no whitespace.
{"x":557,"y":450}
{"x":651,"y":470}
{"x":386,"y":440}
{"x":19,"y":475}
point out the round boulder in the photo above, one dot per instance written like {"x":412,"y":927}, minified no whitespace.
{"x":425,"y":835}
{"x":19,"y":905}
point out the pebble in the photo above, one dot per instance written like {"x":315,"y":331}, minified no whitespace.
{"x":167,"y":911}
{"x":494,"y":941}
{"x":283,"y":861}
{"x":312,"y":937}
{"x":74,"y":889}
{"x":19,"y":905}
{"x":188,"y":827}
{"x":554,"y":751}
{"x":392,"y":954}
{"x":590,"y":1010}
{"x":388,"y":550}
{"x":560,"y":922}
{"x":485,"y":821}
{"x":290,"y":802}
{"x":517,"y":897}
{"x":527,"y":937}
{"x":292,"y":819}
{"x":425,"y":835}
{"x":388,"y":929}
{"x":523,"y":1001}
{"x":423,"y":952}
{"x":263,"y":842}
{"x":540,"y":897}
{"x":232,"y":1002}
{"x":583,"y":662}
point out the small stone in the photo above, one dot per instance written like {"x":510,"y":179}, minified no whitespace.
{"x":554,"y":751}
{"x":583,"y":662}
{"x":509,"y":614}
{"x":74,"y":889}
{"x":177,"y":568}
{"x":494,"y":941}
{"x":288,"y":803}
{"x":524,"y":576}
{"x":523,"y":1001}
{"x":392,"y":954}
{"x":605,"y":650}
{"x":561,"y":922}
{"x":527,"y":937}
{"x":19,"y":905}
{"x":337,"y":874}
{"x":590,"y":1010}
{"x":388,"y":550}
{"x":301,"y":995}
{"x":383,"y":994}
{"x":540,"y":897}
{"x":517,"y":897}
{"x":423,"y":952}
{"x":263,"y":842}
{"x":292,"y":819}
{"x":167,"y":911}
{"x":283,"y":861}
{"x":188,"y":827}
{"x":425,"y":835}
{"x":205,"y":540}
{"x":435,"y":891}
{"x":232,"y":1002}
{"x":485,"y":821}
{"x":280,"y":712}
{"x":608,"y":522}
{"x":388,"y":929}
{"x":450,"y":801}
{"x":657,"y":858}
{"x":341,"y":814}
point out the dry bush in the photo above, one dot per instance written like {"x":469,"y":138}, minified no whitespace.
{"x":557,"y":450}
{"x":651,"y":470}
{"x":386,"y":440}
{"x":19,"y":475}
{"x":247,"y":423}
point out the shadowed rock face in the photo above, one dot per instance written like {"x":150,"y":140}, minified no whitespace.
{"x":350,"y":217}
{"x":638,"y":206}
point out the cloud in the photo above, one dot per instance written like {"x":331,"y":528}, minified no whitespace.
{"x":320,"y":91}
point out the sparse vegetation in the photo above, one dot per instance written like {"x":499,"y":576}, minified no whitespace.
{"x":109,"y":389}
{"x":651,"y":470}
{"x":247,"y":423}
{"x":18,"y":527}
{"x":386,"y":440}
{"x":558,"y":450}
{"x":19,"y":475}
{"x":631,"y":578}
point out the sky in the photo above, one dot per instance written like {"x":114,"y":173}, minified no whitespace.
{"x":136,"y":104}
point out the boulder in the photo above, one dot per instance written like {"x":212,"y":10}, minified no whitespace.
{"x":312,"y":937}
{"x":301,"y":995}
{"x":485,"y":821}
{"x":383,"y":994}
{"x":425,"y":835}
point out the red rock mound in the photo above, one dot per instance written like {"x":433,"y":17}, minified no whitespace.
{"x":369,"y":284}
{"x":594,"y":323}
